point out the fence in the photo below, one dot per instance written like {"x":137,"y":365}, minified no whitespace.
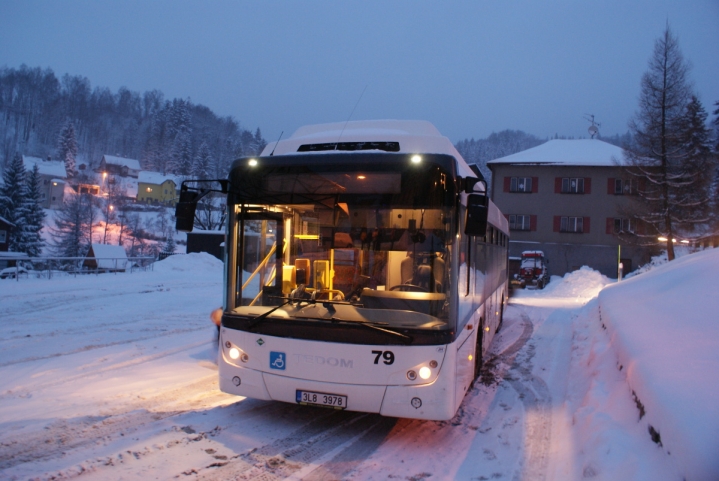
{"x":49,"y":267}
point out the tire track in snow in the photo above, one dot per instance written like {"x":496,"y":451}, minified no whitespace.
{"x":21,"y":391}
{"x":302,"y":451}
{"x":61,"y":436}
{"x":537,"y":401}
{"x":92,"y":347}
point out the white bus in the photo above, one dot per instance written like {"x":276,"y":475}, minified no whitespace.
{"x":366,"y":269}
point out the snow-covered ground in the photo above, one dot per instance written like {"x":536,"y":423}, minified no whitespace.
{"x":112,"y":376}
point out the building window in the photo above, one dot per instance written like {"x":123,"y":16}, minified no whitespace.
{"x":520,"y":184}
{"x":626,"y":187}
{"x":572,"y":185}
{"x":149,"y":189}
{"x":521,"y":222}
{"x":623,"y":226}
{"x":3,"y":236}
{"x":571,"y":224}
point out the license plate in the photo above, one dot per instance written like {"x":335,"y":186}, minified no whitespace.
{"x":321,"y":399}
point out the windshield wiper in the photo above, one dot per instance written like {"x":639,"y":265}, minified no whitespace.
{"x":261,"y":317}
{"x":289,"y":300}
{"x":372,"y":325}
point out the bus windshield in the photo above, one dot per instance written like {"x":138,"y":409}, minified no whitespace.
{"x":342,"y":244}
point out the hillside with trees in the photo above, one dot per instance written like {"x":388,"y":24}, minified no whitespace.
{"x":38,"y":110}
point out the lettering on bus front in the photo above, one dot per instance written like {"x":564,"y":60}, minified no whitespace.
{"x":324,"y":361}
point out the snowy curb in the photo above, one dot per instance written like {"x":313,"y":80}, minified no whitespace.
{"x":664,"y":328}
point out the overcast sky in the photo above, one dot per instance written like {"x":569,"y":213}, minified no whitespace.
{"x":469,"y":67}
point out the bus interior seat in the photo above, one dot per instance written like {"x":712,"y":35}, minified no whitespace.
{"x":421,"y":273}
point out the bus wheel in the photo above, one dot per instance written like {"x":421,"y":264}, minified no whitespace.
{"x":501,"y":315}
{"x":478,"y":351}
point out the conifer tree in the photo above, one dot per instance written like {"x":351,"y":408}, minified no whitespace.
{"x":67,"y":148}
{"x":182,"y":153}
{"x":170,"y":243}
{"x":12,"y":198}
{"x":203,"y":162}
{"x":34,"y":216}
{"x":72,"y":234}
{"x":663,"y":158}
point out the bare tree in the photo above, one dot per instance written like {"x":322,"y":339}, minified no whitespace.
{"x":211,"y":213}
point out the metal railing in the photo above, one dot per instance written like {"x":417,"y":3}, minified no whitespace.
{"x":50,"y":267}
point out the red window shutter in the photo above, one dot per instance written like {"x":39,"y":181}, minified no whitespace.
{"x":557,"y":185}
{"x":557,"y":222}
{"x":610,"y":185}
{"x":506,"y":216}
{"x":532,"y":222}
{"x":507,"y":180}
{"x":640,"y":228}
{"x":587,"y":185}
{"x":610,"y":225}
{"x":535,"y":185}
{"x":585,"y":226}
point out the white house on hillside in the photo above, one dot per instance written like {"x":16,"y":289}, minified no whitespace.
{"x":53,"y":178}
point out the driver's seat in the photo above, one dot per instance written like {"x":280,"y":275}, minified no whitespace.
{"x":421,"y":274}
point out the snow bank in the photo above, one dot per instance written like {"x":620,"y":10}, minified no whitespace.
{"x":584,"y":284}
{"x":196,"y":261}
{"x":664,"y":326}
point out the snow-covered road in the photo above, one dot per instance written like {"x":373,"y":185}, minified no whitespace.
{"x":113,"y":377}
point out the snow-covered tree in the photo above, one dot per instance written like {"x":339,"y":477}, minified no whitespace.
{"x":72,"y":234}
{"x":31,"y":241}
{"x":67,"y":148}
{"x":201,"y":168}
{"x":662,"y":158}
{"x":13,"y":194}
{"x":182,"y":153}
{"x":170,"y":243}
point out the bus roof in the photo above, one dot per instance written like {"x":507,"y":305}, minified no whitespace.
{"x":413,"y":136}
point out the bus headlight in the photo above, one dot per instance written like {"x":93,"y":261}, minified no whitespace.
{"x":234,"y":353}
{"x":425,"y":372}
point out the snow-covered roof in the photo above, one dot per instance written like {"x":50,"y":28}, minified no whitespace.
{"x":149,"y":177}
{"x":50,"y":168}
{"x":129,"y":163}
{"x":583,"y":152}
{"x":106,"y":256}
{"x":413,"y":136}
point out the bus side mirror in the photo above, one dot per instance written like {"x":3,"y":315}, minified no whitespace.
{"x":185,"y":211}
{"x":476,"y":224}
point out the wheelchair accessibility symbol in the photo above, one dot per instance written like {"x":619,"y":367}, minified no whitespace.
{"x":277,"y":360}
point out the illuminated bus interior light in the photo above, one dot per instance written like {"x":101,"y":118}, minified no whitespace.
{"x":252,"y":163}
{"x":416,"y":159}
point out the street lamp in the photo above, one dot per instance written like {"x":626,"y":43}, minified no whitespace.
{"x":110,"y":208}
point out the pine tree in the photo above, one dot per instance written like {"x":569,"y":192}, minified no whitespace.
{"x":34,"y":216}
{"x":12,"y":198}
{"x":170,"y":243}
{"x":659,"y":159}
{"x":182,"y":153}
{"x":203,"y":163}
{"x":72,"y":233}
{"x":67,"y":148}
{"x":693,"y":198}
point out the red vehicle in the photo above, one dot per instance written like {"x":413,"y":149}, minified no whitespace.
{"x":533,"y":270}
